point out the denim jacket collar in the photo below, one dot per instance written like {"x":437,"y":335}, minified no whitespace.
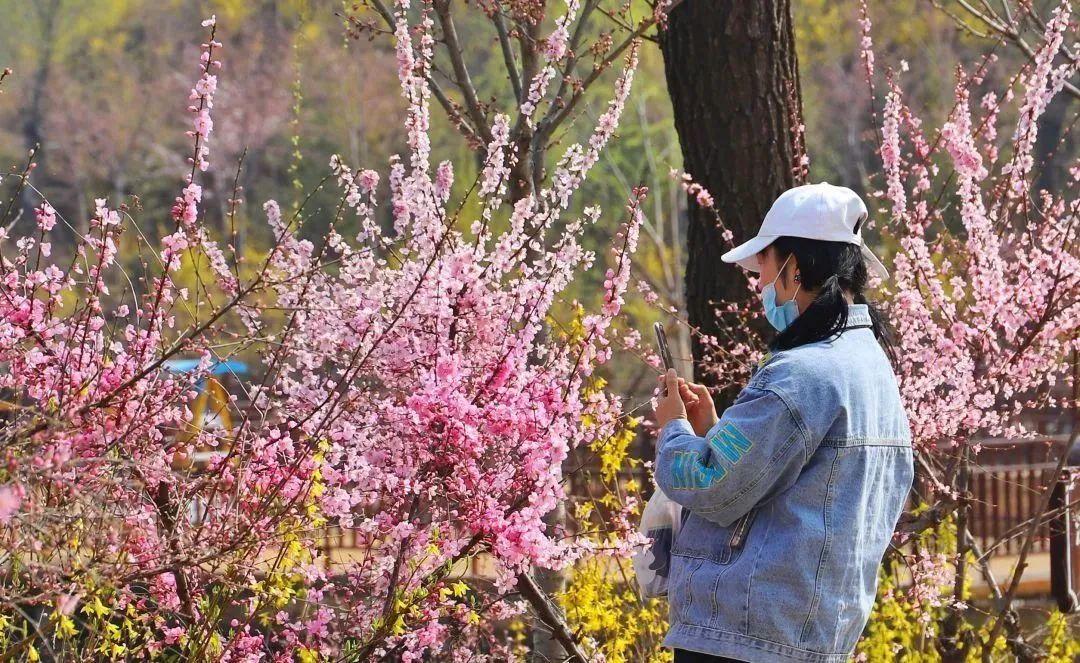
{"x":858,"y":316}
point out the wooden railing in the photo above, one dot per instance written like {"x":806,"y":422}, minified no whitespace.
{"x":1007,"y":482}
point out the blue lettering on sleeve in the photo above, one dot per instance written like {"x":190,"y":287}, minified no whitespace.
{"x":689,"y":473}
{"x":706,"y":475}
{"x":678,"y":471}
{"x":730,"y":443}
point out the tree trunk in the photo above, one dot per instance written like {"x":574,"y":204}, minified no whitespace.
{"x":544,"y":647}
{"x":732,"y":74}
{"x":33,"y":114}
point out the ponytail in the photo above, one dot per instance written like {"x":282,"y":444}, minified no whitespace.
{"x":830,"y":268}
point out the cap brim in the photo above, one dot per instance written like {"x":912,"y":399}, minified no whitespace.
{"x":744,"y":255}
{"x":874,"y":263}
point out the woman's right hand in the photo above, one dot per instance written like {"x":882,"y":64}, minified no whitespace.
{"x":700,"y":409}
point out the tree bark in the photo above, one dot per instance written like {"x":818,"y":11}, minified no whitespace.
{"x":732,"y":74}
{"x":547,"y":641}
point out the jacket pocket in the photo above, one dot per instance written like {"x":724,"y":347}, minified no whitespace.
{"x":740,"y":531}
{"x":704,"y":539}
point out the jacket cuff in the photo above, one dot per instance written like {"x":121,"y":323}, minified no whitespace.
{"x":677,"y":426}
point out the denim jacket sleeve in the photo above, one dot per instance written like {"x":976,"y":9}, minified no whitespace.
{"x":755,"y":451}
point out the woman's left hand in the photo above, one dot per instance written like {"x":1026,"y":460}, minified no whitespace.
{"x":669,"y":406}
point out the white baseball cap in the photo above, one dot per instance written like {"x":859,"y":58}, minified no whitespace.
{"x":814,"y":211}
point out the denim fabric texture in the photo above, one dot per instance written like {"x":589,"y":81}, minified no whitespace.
{"x":791,"y":500}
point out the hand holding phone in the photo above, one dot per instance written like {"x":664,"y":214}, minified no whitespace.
{"x":696,"y":399}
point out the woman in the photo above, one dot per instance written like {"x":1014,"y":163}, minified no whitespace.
{"x":790,"y":498}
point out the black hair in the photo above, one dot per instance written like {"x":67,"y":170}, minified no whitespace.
{"x":830,"y":268}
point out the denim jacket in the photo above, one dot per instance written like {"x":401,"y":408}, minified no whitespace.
{"x":790,"y":502}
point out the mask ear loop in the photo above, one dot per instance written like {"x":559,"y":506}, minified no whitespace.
{"x":796,"y":295}
{"x":797,"y":280}
{"x":786,"y":261}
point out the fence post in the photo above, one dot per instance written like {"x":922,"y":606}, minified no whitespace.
{"x":1064,"y":551}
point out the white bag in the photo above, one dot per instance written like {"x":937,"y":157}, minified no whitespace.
{"x":660,"y":521}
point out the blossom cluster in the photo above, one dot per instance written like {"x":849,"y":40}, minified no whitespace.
{"x":986,"y":315}
{"x":418,"y":395}
{"x":985,"y":288}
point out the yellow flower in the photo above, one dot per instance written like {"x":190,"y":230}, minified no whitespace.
{"x":65,"y":627}
{"x":95,"y":608}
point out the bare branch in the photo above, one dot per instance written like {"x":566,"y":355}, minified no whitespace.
{"x":549,"y":614}
{"x":455,"y":117}
{"x":1005,"y":27}
{"x":508,"y":54}
{"x":549,"y":125}
{"x":457,"y":60}
{"x":1044,"y":503}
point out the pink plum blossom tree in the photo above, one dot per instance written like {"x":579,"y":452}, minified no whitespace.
{"x":420,"y":392}
{"x":413,"y":392}
{"x":985,"y":298}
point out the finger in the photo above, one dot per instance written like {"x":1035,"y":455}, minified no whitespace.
{"x":700,"y":389}
{"x":672,"y":379}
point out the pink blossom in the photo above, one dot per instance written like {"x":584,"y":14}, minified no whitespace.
{"x":206,"y":86}
{"x":368,"y":180}
{"x":203,"y":124}
{"x":444,"y":180}
{"x":866,"y":43}
{"x":965,"y":317}
{"x":45,"y":216}
{"x":10,"y":501}
{"x":1041,"y":83}
{"x":890,"y":151}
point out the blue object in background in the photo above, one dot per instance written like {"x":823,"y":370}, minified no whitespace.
{"x":231,"y":367}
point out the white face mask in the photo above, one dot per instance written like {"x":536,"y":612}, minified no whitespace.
{"x":780,"y":317}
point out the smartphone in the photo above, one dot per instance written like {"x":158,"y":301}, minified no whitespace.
{"x":661,"y":344}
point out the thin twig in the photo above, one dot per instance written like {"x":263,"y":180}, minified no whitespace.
{"x":508,"y":54}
